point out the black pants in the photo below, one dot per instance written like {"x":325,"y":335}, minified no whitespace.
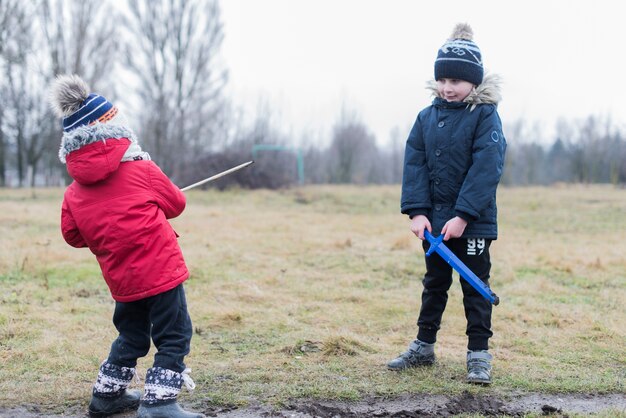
{"x":164,"y":318}
{"x":474,"y":252}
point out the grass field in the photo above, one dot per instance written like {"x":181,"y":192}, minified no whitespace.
{"x":307,"y":293}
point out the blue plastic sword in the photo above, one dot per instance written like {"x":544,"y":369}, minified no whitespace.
{"x":436,"y":244}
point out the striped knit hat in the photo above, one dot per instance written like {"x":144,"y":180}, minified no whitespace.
{"x":72,"y":102}
{"x":459,"y":57}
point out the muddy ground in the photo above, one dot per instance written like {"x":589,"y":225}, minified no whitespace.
{"x":404,"y":407}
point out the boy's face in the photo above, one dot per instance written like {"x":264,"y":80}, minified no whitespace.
{"x":454,"y":90}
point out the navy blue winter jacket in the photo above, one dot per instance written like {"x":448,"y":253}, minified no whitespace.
{"x":452,"y":165}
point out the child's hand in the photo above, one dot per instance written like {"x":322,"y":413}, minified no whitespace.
{"x":453,"y":228}
{"x":418,"y":224}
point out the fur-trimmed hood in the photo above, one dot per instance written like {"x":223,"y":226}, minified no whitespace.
{"x":88,"y":134}
{"x":488,"y":92}
{"x":93,"y":152}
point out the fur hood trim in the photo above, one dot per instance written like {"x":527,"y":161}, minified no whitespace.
{"x":488,"y":92}
{"x":88,"y":134}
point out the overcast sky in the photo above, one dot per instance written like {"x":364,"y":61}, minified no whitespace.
{"x":306,"y":58}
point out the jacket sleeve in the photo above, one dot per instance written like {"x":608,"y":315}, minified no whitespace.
{"x":415,"y":177}
{"x":168,"y":196}
{"x":69,"y":229}
{"x":479,"y":188}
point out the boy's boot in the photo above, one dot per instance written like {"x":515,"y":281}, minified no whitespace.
{"x":109,"y":395}
{"x":418,"y":354}
{"x":479,"y":367}
{"x":161,"y":389}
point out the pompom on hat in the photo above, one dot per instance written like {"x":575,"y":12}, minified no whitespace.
{"x":88,"y":118}
{"x":71,"y":100}
{"x":459,"y":57}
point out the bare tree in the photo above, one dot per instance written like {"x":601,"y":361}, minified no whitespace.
{"x":81,"y":38}
{"x":618,"y":174}
{"x":74,"y":37}
{"x":524,"y":160}
{"x":557,"y":162}
{"x":397,"y":140}
{"x":16,"y":50}
{"x":174,"y":54}
{"x":353,"y":155}
{"x":12,"y":22}
{"x":29,"y":117}
{"x":46,"y":38}
{"x":77,"y":37}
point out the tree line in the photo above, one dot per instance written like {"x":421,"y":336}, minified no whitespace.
{"x":162,"y":59}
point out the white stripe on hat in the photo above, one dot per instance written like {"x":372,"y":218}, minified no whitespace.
{"x":78,"y":110}
{"x":99,"y":106}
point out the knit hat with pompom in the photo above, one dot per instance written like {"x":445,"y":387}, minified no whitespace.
{"x":459,"y":58}
{"x":71,"y":100}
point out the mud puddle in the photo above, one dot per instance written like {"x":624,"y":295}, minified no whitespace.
{"x":404,"y":407}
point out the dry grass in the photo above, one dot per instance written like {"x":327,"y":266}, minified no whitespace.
{"x":309,"y":292}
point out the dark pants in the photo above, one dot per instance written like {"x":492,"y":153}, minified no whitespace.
{"x":438,"y":279}
{"x":164,"y":318}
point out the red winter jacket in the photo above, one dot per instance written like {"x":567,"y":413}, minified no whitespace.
{"x":120,"y":210}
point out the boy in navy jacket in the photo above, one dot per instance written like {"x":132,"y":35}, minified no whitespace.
{"x":453,"y":163}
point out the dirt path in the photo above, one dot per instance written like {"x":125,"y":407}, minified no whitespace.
{"x":404,"y":407}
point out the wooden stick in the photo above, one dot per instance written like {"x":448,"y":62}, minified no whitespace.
{"x":217,"y":176}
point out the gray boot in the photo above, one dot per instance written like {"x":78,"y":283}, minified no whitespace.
{"x":169,"y":410}
{"x":418,"y":354}
{"x":109,"y":394}
{"x":479,"y":367}
{"x":161,"y":390}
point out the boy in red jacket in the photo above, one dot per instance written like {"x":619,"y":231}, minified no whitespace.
{"x":118,"y":207}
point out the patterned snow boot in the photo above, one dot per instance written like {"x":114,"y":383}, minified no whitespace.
{"x":110,"y":395}
{"x":418,"y":354}
{"x":161,"y":390}
{"x":479,"y":367}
